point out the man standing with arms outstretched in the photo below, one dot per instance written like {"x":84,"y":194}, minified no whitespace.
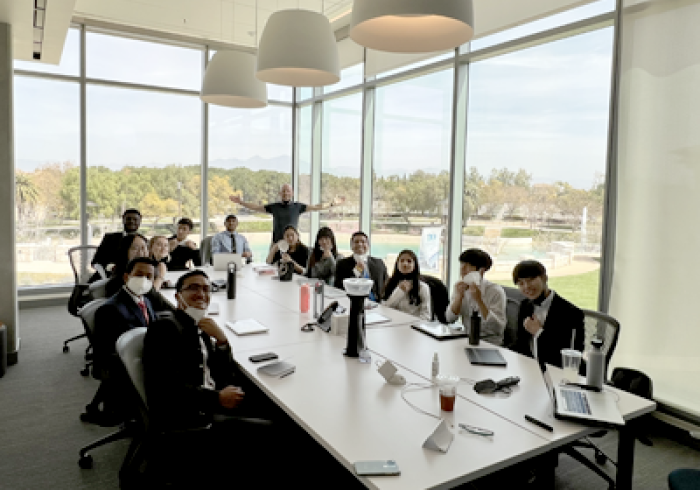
{"x":286,"y":212}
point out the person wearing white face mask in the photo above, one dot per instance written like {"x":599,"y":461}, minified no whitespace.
{"x":129,"y":308}
{"x":474,"y":293}
{"x":362,"y":265}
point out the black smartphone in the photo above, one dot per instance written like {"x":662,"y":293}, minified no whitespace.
{"x":267,"y":356}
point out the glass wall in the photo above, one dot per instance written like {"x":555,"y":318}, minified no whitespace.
{"x":47,"y":193}
{"x":341,"y":166}
{"x":144,"y":152}
{"x":304,"y":149}
{"x":411,"y":185}
{"x":250,"y":154}
{"x":536,"y":156}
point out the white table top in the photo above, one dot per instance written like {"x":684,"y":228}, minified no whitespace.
{"x":349,"y":409}
{"x":414,"y":350}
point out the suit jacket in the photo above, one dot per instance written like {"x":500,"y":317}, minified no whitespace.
{"x":174,"y":372}
{"x":377,"y":272}
{"x":107,"y":250}
{"x":117,"y":315}
{"x":158,"y":301}
{"x":562,"y":318}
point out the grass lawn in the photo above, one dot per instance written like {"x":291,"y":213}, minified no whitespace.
{"x":580,"y":289}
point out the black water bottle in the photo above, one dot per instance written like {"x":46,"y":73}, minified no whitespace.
{"x":231,"y":281}
{"x":474,"y":328}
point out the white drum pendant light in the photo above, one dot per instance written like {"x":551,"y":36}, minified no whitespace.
{"x":412,"y":26}
{"x":297,"y":48}
{"x":230,"y":81}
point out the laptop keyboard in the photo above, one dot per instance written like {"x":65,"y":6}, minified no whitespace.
{"x":576,"y":402}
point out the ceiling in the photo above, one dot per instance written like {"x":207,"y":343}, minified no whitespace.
{"x":222,"y":21}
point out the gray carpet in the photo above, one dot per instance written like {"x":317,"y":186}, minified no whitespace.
{"x":40,"y":433}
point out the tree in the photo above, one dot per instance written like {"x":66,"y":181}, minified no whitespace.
{"x":153,"y":206}
{"x":25,"y":193}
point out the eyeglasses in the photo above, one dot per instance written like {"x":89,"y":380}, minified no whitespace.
{"x":198,"y":288}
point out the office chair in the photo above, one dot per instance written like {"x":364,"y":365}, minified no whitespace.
{"x":439,"y":297}
{"x":87,"y":316}
{"x":80,"y":259}
{"x":513,"y":299}
{"x":147,"y":440}
{"x":607,"y":328}
{"x":205,"y":250}
{"x":96,"y":290}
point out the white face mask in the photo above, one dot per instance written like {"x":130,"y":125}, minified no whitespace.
{"x":139,"y":285}
{"x":472,"y":278}
{"x":195,"y":313}
{"x":283,"y":246}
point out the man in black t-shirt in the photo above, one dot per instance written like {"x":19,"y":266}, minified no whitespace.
{"x":286,"y":212}
{"x":182,"y":250}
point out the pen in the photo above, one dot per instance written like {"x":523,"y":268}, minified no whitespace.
{"x":539,"y":424}
{"x":285,"y":375}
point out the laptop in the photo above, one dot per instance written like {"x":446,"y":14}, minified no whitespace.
{"x":246,"y":327}
{"x":579,"y":405}
{"x":221,"y":261}
{"x":440,"y":331}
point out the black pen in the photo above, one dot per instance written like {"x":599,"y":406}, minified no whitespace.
{"x":285,"y":375}
{"x":539,"y":424}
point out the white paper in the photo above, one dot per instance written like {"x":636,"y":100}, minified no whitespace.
{"x":440,"y":439}
{"x":247,"y":326}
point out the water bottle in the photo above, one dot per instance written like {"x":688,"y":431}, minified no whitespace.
{"x":304,"y":298}
{"x":474,"y":328}
{"x":595,"y":370}
{"x":318,"y":298}
{"x":231,"y":281}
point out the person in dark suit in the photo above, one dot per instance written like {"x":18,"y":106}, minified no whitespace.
{"x":106,"y":253}
{"x":192,"y":381}
{"x":131,"y":247}
{"x":129,"y":308}
{"x":362,"y":265}
{"x":547,"y":323}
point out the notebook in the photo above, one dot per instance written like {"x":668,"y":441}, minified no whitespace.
{"x":440,"y":331}
{"x":578,"y":405}
{"x":221,"y":261}
{"x":246,"y":327}
{"x":373,"y":318}
{"x":485,"y":357}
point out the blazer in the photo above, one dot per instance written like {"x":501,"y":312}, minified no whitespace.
{"x":377,"y":272}
{"x":107,"y":250}
{"x":117,"y":315}
{"x":158,"y":301}
{"x":174,"y":372}
{"x":562,"y":319}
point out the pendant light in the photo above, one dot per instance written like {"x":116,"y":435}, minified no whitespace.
{"x":297,"y":48}
{"x":412,"y":26}
{"x":230,"y":79}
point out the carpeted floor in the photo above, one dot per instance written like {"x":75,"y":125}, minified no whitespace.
{"x":42,"y":396}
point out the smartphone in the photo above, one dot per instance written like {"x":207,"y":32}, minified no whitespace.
{"x":377,"y":468}
{"x":213,"y":309}
{"x":267,"y":356}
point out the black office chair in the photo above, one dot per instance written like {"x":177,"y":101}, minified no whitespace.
{"x":602,"y":326}
{"x":439,"y":297}
{"x":80,"y":259}
{"x":513,"y":299}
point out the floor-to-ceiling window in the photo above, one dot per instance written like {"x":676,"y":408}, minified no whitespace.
{"x":47,"y":167}
{"x":536,"y":159}
{"x":411,"y":174}
{"x":341,"y":166}
{"x":304,"y":152}
{"x":143,"y":143}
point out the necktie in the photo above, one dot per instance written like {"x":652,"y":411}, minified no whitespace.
{"x":144,"y":310}
{"x":233,"y":243}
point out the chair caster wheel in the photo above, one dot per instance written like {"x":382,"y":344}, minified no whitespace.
{"x":601,"y":458}
{"x":85,"y":462}
{"x":66,"y":349}
{"x":85,"y":372}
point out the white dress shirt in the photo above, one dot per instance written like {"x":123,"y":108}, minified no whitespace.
{"x":494,"y":297}
{"x":208,"y":381}
{"x":541,"y":312}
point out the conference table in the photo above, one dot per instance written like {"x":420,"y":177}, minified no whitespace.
{"x":349,"y":409}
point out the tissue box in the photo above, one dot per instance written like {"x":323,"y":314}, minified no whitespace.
{"x":339,"y":324}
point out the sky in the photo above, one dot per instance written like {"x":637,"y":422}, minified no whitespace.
{"x":544,"y":109}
